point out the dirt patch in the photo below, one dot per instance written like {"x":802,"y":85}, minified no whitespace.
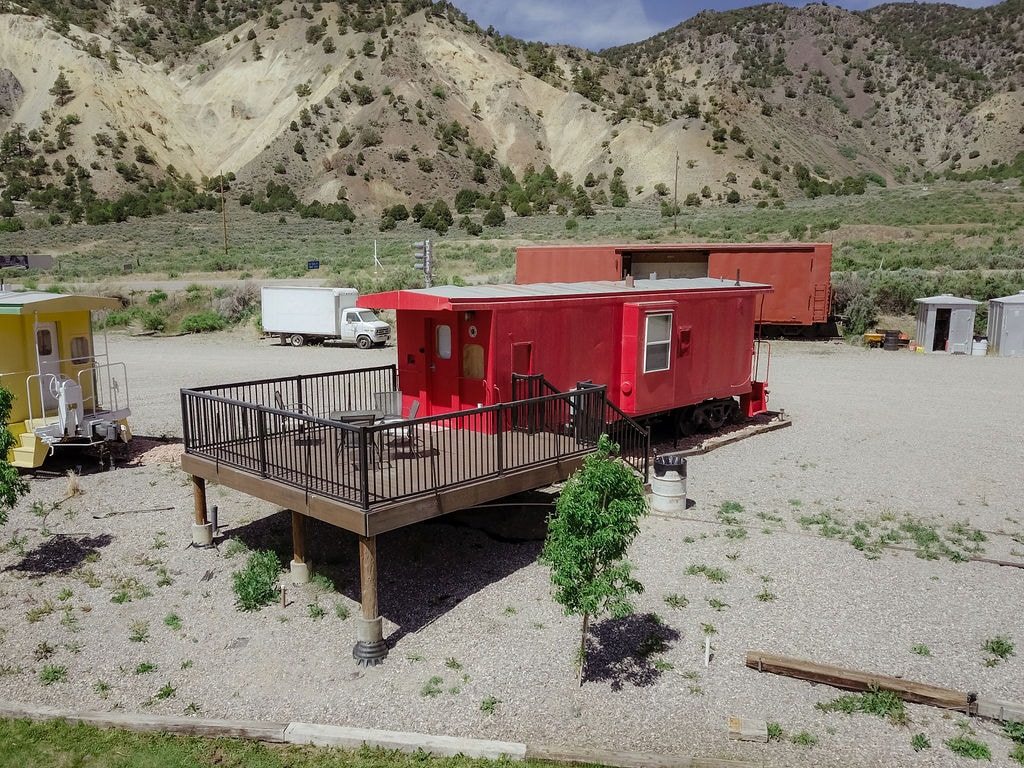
{"x":143,"y":451}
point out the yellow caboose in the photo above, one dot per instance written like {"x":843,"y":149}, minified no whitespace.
{"x":66,"y":394}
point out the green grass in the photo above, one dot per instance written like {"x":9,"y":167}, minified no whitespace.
{"x":489,"y":704}
{"x":921,"y":650}
{"x":676,"y":601}
{"x":804,"y":739}
{"x":874,"y":702}
{"x":432,"y":688}
{"x":715,"y":575}
{"x":919,"y":742}
{"x":256,"y":584}
{"x":58,"y":743}
{"x":965,"y":746}
{"x":999,"y":648}
{"x":53,"y":673}
{"x":139,"y":632}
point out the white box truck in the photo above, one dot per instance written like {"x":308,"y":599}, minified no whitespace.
{"x":301,"y":314}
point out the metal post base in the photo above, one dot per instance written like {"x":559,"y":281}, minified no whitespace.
{"x":370,"y":649}
{"x":370,"y":654}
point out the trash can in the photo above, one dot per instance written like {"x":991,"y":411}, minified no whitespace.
{"x":668,"y":485}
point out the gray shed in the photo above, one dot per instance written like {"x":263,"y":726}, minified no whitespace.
{"x":1006,"y":325}
{"x":946,"y":324}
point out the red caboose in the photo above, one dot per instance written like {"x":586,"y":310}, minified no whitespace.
{"x":680,"y":346}
{"x":799,"y":273}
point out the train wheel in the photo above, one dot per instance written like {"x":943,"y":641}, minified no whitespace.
{"x":684,"y":422}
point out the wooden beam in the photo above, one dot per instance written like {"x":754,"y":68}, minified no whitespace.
{"x":384,"y":519}
{"x":298,"y":537}
{"x":199,"y":499}
{"x":854,"y":680}
{"x":368,"y":576}
{"x":285,"y":496}
{"x":627,"y":759}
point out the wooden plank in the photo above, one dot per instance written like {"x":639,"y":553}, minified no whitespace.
{"x":745,"y":729}
{"x":1000,"y":709}
{"x":448,"y":746}
{"x":628,"y":759}
{"x":285,"y":496}
{"x":734,"y":437}
{"x":384,"y":519}
{"x":243,"y":729}
{"x":855,"y":680}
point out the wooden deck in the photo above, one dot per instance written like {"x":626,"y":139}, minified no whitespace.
{"x":374,"y":480}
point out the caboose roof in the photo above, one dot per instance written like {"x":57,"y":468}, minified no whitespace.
{"x":948,"y":300}
{"x":478,"y":297}
{"x":677,"y":247}
{"x":28,"y":302}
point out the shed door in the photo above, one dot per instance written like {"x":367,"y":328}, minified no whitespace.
{"x":1012,"y":342}
{"x":941,"y":336}
{"x":48,"y":355}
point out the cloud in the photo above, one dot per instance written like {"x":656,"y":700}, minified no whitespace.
{"x":593,"y":24}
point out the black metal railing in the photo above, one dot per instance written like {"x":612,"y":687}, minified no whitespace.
{"x":245,"y":426}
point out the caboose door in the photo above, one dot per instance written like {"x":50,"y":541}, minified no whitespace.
{"x":442,"y":358}
{"x":48,"y":358}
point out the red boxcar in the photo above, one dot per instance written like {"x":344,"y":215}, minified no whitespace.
{"x":676,"y":345}
{"x":800,"y":273}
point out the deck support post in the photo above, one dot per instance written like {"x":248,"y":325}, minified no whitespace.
{"x":370,"y":648}
{"x":299,"y":567}
{"x":202,"y":528}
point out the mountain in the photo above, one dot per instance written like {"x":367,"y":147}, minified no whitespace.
{"x":364,"y":106}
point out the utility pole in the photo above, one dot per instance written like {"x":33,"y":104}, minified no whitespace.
{"x":424,"y":259}
{"x":675,"y":197}
{"x":224,"y":212}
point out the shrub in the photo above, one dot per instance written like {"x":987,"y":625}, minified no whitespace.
{"x":202,"y":322}
{"x":256,"y":585}
{"x":861,"y":314}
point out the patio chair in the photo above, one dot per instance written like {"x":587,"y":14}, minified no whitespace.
{"x":406,"y":437}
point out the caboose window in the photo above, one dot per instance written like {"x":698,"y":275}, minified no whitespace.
{"x":44,"y":342}
{"x":659,"y":342}
{"x":80,"y":350}
{"x":444,"y":342}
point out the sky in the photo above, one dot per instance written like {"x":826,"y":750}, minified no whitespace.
{"x":598,"y":24}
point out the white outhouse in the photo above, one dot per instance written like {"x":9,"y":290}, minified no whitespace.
{"x":1006,"y":325}
{"x":946,"y":324}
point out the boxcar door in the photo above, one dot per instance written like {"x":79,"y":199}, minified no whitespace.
{"x":48,"y":357}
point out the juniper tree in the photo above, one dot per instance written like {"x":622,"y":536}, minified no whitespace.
{"x":11,"y":484}
{"x":595,"y":520}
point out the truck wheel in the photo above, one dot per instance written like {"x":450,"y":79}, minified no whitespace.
{"x":364,"y":342}
{"x":296,"y":340}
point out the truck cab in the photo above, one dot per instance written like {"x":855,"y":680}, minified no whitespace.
{"x":363,"y":328}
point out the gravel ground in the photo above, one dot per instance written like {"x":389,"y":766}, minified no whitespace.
{"x":878,"y":439}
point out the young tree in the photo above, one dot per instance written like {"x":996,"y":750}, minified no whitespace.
{"x":11,"y":484}
{"x":61,"y":89}
{"x":596,"y":519}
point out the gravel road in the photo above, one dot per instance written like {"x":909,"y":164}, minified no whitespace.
{"x":882,"y":445}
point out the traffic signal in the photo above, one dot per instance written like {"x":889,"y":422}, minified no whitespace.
{"x":424,"y":260}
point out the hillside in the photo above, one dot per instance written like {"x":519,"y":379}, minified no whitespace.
{"x":373,"y":105}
